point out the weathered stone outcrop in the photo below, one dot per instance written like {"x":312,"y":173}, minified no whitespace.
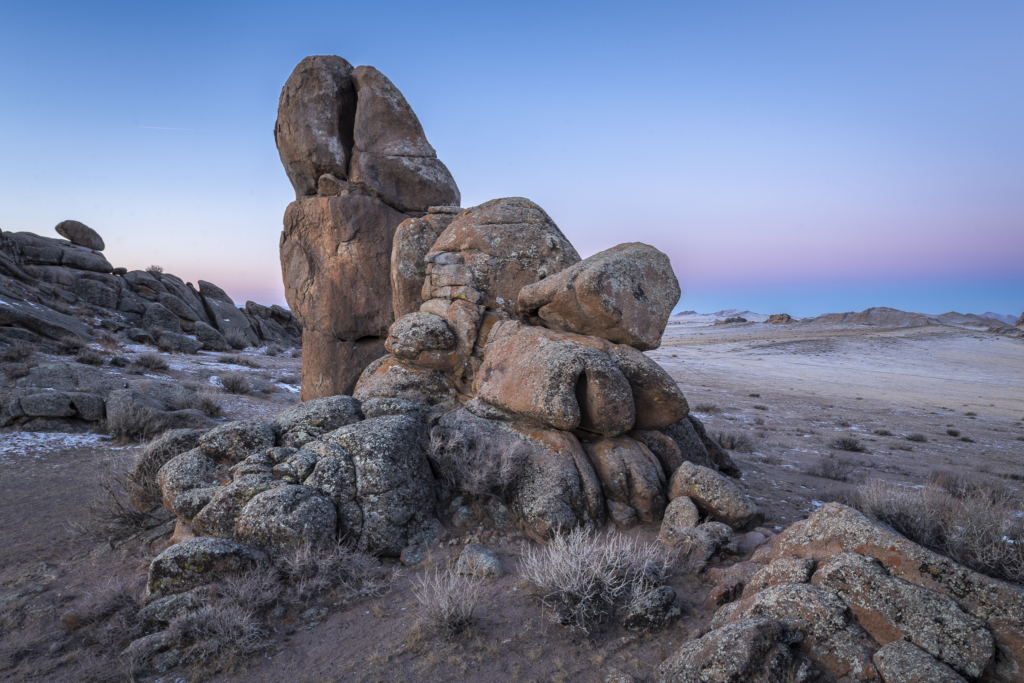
{"x":716,"y":496}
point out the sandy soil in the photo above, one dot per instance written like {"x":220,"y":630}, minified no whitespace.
{"x":789,"y":390}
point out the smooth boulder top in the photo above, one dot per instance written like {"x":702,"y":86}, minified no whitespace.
{"x":80,"y":234}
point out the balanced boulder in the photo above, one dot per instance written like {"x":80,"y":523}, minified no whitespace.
{"x":80,"y":234}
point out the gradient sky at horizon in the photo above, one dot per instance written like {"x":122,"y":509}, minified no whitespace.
{"x":803,"y":157}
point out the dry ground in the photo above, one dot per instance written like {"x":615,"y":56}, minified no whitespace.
{"x":789,"y":390}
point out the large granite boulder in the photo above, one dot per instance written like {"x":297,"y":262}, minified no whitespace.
{"x":310,"y":420}
{"x":508,"y":244}
{"x":196,"y":562}
{"x":624,"y":294}
{"x":80,"y":234}
{"x":715,"y":496}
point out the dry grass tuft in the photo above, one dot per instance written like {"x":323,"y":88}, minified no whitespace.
{"x":584,"y":579}
{"x":88,"y":356}
{"x":151,"y":361}
{"x":882,"y":432}
{"x":133,"y":422}
{"x":238,"y":359}
{"x":17,"y":352}
{"x":735,"y":442}
{"x":977,"y":524}
{"x":237,"y":340}
{"x":311,"y":571}
{"x":475,"y":462}
{"x":916,"y":438}
{"x":847,"y":443}
{"x":833,"y":467}
{"x":448,"y":600}
{"x":706,"y":408}
{"x":236,"y":383}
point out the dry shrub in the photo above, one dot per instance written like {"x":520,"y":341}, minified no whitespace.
{"x":735,"y":442}
{"x":311,"y":571}
{"x":235,"y":383}
{"x":847,"y":443}
{"x":289,"y":379}
{"x":236,"y":359}
{"x":155,"y":271}
{"x":882,"y":432}
{"x":953,"y":432}
{"x":17,"y":352}
{"x":295,"y":353}
{"x":88,"y":356}
{"x":448,"y":599}
{"x":70,"y":344}
{"x":979,"y":527}
{"x":219,"y":631}
{"x":584,"y":579}
{"x":832,"y":467}
{"x":706,"y":408}
{"x":203,"y":400}
{"x":916,"y":438}
{"x":151,"y":361}
{"x":477,"y":462}
{"x":274,"y":350}
{"x":111,"y":514}
{"x":134,"y":422}
{"x":237,"y":340}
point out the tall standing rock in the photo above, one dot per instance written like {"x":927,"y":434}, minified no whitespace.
{"x":314,"y":122}
{"x":358,"y":158}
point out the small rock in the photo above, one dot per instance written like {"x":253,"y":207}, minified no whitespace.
{"x":654,"y":609}
{"x":197,"y":562}
{"x":624,"y":516}
{"x":412,"y":555}
{"x":681,"y":516}
{"x":480,"y":562}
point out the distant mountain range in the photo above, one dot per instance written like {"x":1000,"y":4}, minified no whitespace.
{"x":881,"y":316}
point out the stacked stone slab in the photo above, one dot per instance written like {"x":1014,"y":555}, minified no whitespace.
{"x":360,"y":164}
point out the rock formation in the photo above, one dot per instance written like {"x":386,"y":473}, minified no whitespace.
{"x":360,"y":164}
{"x":53,"y":289}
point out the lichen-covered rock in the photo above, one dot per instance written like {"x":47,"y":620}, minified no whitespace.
{"x":312,"y":419}
{"x":903,"y":662}
{"x":836,"y":528}
{"x":237,"y":440}
{"x":681,"y":516}
{"x":218,"y":517}
{"x":191,"y":502}
{"x":840,"y":647}
{"x":508,"y":244}
{"x":658,"y":400}
{"x":388,"y":377}
{"x":780,"y":571}
{"x":189,"y":470}
{"x":158,"y":319}
{"x":652,"y":610}
{"x":716,"y":496}
{"x":392,"y":481}
{"x":196,"y":562}
{"x":746,"y":651}
{"x":624,"y":294}
{"x":629,"y":474}
{"x":702,"y":542}
{"x":144,"y":492}
{"x":476,"y":560}
{"x":688,"y":447}
{"x":285,"y":517}
{"x":416,"y":333}
{"x":891,"y":609}
{"x":563,"y":381}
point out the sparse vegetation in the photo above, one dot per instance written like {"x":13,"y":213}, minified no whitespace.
{"x":236,"y":359}
{"x":953,"y":432}
{"x":882,"y":432}
{"x":477,"y":462}
{"x":17,"y":352}
{"x":112,"y":514}
{"x":760,"y":407}
{"x":236,"y":383}
{"x":706,"y":408}
{"x":70,"y":344}
{"x":830,"y":466}
{"x":155,"y":271}
{"x":967,"y":439}
{"x":448,"y":599}
{"x":289,"y":379}
{"x":583,"y":579}
{"x":754,"y":395}
{"x":916,"y":437}
{"x":274,"y":350}
{"x":134,"y":422}
{"x":296,"y":353}
{"x":237,"y":340}
{"x":734,"y":442}
{"x":151,"y":361}
{"x":120,"y":361}
{"x":977,"y":525}
{"x":847,"y":443}
{"x":89,"y":356}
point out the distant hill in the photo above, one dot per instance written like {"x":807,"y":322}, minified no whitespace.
{"x":880,"y":316}
{"x":1008,"y":319}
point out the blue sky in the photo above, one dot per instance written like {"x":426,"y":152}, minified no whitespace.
{"x":803,"y":157}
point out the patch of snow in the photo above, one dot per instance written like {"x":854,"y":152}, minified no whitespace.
{"x":288,"y":387}
{"x":33,"y":444}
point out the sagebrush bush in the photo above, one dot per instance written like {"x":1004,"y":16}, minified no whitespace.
{"x":124,"y":501}
{"x":236,"y":359}
{"x":133,"y":422}
{"x":88,"y":356}
{"x":235,"y":383}
{"x":295,"y":353}
{"x":274,"y":350}
{"x":847,"y":443}
{"x":953,"y":432}
{"x":584,"y":579}
{"x":477,"y":462}
{"x":882,"y":432}
{"x":980,"y":528}
{"x":155,"y":270}
{"x":70,"y":344}
{"x":735,"y":442}
{"x":706,"y":408}
{"x":831,"y":467}
{"x":237,"y":340}
{"x":290,"y":379}
{"x":151,"y":361}
{"x":448,"y":599}
{"x":17,"y":352}
{"x":916,"y":438}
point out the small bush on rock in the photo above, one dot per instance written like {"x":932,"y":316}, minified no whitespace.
{"x":155,"y":271}
{"x":18,"y":352}
{"x":476,"y":463}
{"x":89,"y":356}
{"x":235,"y":383}
{"x":448,"y":599}
{"x":584,"y":579}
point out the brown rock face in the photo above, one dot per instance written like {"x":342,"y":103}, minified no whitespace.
{"x":80,"y":234}
{"x":314,"y":122}
{"x":508,"y":244}
{"x":629,"y":474}
{"x":413,"y":239}
{"x":658,"y":400}
{"x":624,"y":294}
{"x":331,"y":367}
{"x":391,"y":154}
{"x":562,"y":382}
{"x":835,"y":529}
